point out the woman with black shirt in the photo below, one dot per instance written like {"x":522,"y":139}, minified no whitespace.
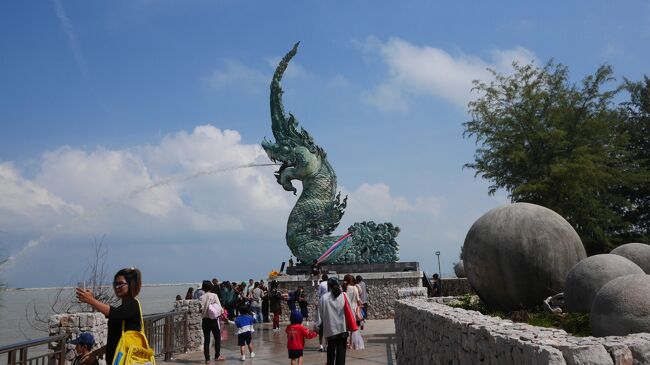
{"x":126,"y":283}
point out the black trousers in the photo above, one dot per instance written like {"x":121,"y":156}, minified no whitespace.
{"x":211,"y":325}
{"x":336,"y":347}
{"x":265,"y":310}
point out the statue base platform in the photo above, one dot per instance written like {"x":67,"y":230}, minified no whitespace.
{"x":382,"y":285}
{"x":356,"y":268}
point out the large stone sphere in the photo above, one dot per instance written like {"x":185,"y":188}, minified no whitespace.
{"x":621,"y":307}
{"x":589,"y":275}
{"x":639,"y":253}
{"x":518,"y":255}
{"x":459,"y":269}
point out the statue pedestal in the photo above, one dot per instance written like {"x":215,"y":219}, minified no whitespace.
{"x":357,"y":268}
{"x":382,"y":286}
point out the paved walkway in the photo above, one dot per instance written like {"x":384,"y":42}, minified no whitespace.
{"x":271,"y":348}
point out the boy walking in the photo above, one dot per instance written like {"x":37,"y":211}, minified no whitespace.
{"x":296,"y":335}
{"x":245,"y":329}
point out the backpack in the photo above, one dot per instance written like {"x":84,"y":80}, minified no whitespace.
{"x":214,"y":310}
{"x":133,"y":347}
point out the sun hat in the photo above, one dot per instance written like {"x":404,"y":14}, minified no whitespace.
{"x":84,"y":338}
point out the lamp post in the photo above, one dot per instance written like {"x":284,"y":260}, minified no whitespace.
{"x":439,"y":272}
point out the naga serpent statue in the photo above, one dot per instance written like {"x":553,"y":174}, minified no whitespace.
{"x":319,"y":208}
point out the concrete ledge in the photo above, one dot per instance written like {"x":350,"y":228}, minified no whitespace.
{"x":364,"y":275}
{"x":432,"y":333}
{"x":382,"y":290}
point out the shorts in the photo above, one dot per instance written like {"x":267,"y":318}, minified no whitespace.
{"x":295,"y":354}
{"x":244,"y":338}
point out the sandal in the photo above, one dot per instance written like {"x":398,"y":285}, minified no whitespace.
{"x":220,"y":358}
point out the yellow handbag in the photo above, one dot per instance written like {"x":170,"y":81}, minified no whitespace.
{"x":133,"y":347}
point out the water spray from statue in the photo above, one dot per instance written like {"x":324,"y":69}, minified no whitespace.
{"x":160,"y":183}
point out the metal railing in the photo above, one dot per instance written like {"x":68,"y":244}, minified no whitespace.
{"x":168,"y":333}
{"x":18,"y":353}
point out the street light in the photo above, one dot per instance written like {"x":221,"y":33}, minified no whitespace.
{"x":439,"y":272}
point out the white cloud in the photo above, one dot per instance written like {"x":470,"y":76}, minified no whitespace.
{"x":184,"y":203}
{"x":195,"y":184}
{"x":386,"y":97}
{"x":26,"y":198}
{"x":375,"y":202}
{"x":431,"y":71}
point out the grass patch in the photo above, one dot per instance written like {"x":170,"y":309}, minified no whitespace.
{"x":576,"y":324}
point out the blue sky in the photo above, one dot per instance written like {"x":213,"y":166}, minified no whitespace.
{"x":99,"y":100}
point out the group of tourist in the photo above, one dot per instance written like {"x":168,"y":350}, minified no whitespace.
{"x":233,"y":296}
{"x":245,"y":304}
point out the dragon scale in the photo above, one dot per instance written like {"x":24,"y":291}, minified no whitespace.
{"x":319,"y":208}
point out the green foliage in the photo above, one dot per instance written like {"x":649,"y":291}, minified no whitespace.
{"x":474,"y":303}
{"x":576,"y":324}
{"x":636,"y":161}
{"x":564,"y":146}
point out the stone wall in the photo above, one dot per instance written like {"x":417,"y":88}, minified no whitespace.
{"x":195,"y":333}
{"x":73,"y":324}
{"x":428,"y":332}
{"x":453,"y":287}
{"x":382,"y":290}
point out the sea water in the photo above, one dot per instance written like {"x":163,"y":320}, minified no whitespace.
{"x":17,"y":305}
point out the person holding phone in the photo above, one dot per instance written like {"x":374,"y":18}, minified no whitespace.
{"x":127,"y":284}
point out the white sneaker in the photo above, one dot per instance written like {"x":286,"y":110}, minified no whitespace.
{"x":242,"y":358}
{"x":252,"y":355}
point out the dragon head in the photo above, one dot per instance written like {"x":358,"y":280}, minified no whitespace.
{"x":296,"y":149}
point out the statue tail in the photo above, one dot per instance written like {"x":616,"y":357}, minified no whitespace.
{"x":338,"y":248}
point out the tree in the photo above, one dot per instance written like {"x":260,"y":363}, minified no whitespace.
{"x":550,"y":142}
{"x":65,"y":300}
{"x":636,"y":189}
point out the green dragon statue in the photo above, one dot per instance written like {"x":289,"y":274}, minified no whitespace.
{"x":319,"y":208}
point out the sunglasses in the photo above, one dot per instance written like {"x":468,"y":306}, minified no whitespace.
{"x":119,"y":284}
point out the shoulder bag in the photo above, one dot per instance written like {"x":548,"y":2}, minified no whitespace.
{"x":133,"y":347}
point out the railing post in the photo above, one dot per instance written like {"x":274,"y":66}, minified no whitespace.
{"x":186,"y":331}
{"x":62,"y":352}
{"x":166,"y":345}
{"x":23,"y":355}
{"x":11,"y":357}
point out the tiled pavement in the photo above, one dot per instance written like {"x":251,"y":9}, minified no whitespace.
{"x":271,"y":348}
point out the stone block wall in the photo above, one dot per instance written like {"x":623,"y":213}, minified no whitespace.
{"x":195,"y":333}
{"x":429,"y":332}
{"x":453,"y":287}
{"x":382,"y":290}
{"x":75,"y":323}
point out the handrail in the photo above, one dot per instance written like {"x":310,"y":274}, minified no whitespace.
{"x":168,"y":333}
{"x":32,"y":343}
{"x":18,"y":353}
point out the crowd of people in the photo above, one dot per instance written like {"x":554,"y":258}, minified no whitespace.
{"x":341,"y":310}
{"x":255,"y":302}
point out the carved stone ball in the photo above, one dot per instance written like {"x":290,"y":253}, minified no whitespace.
{"x":518,"y":255}
{"x":459,"y":269}
{"x":621,"y":307}
{"x":589,"y":275}
{"x":639,"y":253}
